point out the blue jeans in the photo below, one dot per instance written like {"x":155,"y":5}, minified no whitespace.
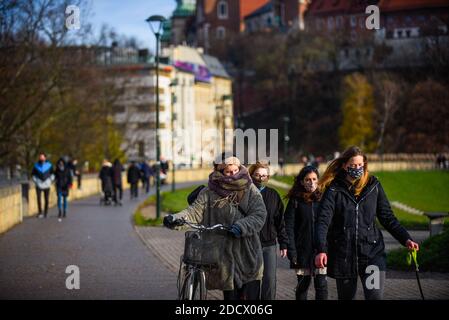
{"x":268,"y":291}
{"x":62,"y":201}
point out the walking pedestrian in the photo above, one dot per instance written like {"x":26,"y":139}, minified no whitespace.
{"x":146,"y":172}
{"x":77,"y":173}
{"x":272,"y":232}
{"x":233,"y":200}
{"x":43,"y":176}
{"x":63,"y":178}
{"x":348,"y":239}
{"x":300,"y":216}
{"x":117,"y":170}
{"x":106,"y":177}
{"x":133,"y":179}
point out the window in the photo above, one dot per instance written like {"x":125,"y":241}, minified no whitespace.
{"x":221,"y":33}
{"x":339,"y":22}
{"x":141,"y":148}
{"x":408,"y":33}
{"x":353,"y":21}
{"x":330,"y":23}
{"x":269,"y":21}
{"x":222,"y":9}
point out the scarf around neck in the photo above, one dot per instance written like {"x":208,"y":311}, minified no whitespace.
{"x":230,"y":188}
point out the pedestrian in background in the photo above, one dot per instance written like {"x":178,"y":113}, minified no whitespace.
{"x":273,"y":231}
{"x":63,"y":179}
{"x":133,"y":179}
{"x":117,"y":170}
{"x":43,"y":176}
{"x":146,"y":172}
{"x":106,"y":177}
{"x":300,"y":215}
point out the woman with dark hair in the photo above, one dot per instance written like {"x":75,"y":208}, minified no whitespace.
{"x":348,"y":239}
{"x":63,"y":178}
{"x":233,"y":200}
{"x":300,"y":216}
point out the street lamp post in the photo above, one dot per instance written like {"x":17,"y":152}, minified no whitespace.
{"x":155,"y":23}
{"x":173,"y":118}
{"x":286,"y":137}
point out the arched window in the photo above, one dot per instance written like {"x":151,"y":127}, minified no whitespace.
{"x":222,"y":9}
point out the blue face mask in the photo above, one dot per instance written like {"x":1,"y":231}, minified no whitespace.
{"x":355,"y":173}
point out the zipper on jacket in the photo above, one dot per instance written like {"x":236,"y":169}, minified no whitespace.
{"x":357,"y":229}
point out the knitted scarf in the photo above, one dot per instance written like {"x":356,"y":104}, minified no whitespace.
{"x":230,"y":188}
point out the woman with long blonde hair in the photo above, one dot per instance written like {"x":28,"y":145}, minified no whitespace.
{"x":347,"y":238}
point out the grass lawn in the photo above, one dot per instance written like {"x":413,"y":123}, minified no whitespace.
{"x":423,"y":190}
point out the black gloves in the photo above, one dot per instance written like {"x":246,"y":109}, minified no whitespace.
{"x":235,"y":231}
{"x":170,"y":221}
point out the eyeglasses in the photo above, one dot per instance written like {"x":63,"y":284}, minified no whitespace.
{"x":259,"y":176}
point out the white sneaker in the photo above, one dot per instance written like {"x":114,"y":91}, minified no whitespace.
{"x":40,"y":216}
{"x":59,"y":219}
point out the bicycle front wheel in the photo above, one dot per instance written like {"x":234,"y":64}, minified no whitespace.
{"x":195,"y":286}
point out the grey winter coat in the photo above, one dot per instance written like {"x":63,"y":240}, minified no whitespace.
{"x":242,"y":260}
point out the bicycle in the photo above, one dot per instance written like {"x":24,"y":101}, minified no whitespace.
{"x":191,"y":283}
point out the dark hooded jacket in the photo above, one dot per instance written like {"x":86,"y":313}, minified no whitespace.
{"x":63,"y":177}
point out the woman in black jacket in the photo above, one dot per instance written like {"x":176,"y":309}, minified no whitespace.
{"x":299,"y":223}
{"x":348,"y":239}
{"x":273,"y":229}
{"x":63,"y":178}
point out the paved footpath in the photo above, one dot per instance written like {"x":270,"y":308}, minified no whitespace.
{"x":101,"y":241}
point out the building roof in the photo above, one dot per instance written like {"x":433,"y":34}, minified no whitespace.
{"x":215,"y":67}
{"x":185,"y":8}
{"x":401,"y":5}
{"x":248,"y":6}
{"x":266,"y":8}
{"x":328,"y":6}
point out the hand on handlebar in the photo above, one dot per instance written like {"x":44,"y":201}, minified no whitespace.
{"x":171,"y":222}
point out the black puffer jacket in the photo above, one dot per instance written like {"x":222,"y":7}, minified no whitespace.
{"x":346,"y":228}
{"x":274,"y":227}
{"x":300,"y":217}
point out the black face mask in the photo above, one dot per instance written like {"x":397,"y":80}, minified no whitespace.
{"x":355,"y":173}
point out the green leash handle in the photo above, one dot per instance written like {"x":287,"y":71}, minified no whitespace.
{"x":412,"y":256}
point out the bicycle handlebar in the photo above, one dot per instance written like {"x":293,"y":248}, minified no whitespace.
{"x":201,"y":227}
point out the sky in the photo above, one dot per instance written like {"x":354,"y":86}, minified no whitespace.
{"x":127,"y":17}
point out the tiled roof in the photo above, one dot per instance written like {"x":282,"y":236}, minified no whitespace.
{"x":397,"y":5}
{"x":260,"y":11}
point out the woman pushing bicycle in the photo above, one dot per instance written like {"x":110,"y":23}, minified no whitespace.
{"x":233,"y":200}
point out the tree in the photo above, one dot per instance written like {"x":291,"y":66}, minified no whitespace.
{"x":424,"y":123}
{"x":358,"y":111}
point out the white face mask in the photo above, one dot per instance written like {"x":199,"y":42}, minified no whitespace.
{"x":310,"y":186}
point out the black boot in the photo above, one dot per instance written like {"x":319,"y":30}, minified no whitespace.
{"x":320,"y":283}
{"x":59,"y":213}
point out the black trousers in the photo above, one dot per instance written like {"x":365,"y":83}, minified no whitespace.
{"x":249,"y":291}
{"x":320,"y":283}
{"x":118,"y":192}
{"x":39,"y":200}
{"x":146,"y":184}
{"x":134,"y":190}
{"x":347,"y":288}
